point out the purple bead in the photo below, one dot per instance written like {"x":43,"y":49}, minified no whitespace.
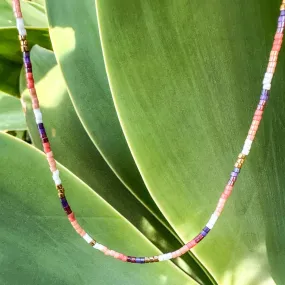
{"x":26,"y":53}
{"x":282,"y":13}
{"x":281,"y":19}
{"x":237,"y":170}
{"x":265,"y":92}
{"x":234,"y":174}
{"x":280,"y":30}
{"x":263,"y":97}
{"x":206,"y":229}
{"x":27,"y":59}
{"x":41,"y":126}
{"x":28,"y":64}
{"x":203,"y":233}
{"x":281,"y":24}
{"x":64,"y":203}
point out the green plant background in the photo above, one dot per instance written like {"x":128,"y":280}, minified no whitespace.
{"x":146,"y":103}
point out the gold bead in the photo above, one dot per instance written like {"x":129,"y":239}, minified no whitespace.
{"x":146,"y":259}
{"x":24,"y":43}
{"x":61,"y":195}
{"x":92,"y":242}
{"x":282,"y":6}
{"x":238,"y":165}
{"x":24,"y":48}
{"x":240,"y":161}
{"x":242,"y":156}
{"x":151,"y":259}
{"x":22,"y":38}
{"x":155,"y":259}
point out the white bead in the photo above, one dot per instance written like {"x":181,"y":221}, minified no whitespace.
{"x":167,"y":256}
{"x":248,"y":142}
{"x":267,"y":86}
{"x":245,"y":151}
{"x":268,"y":75}
{"x":98,"y":246}
{"x":55,"y":177}
{"x":266,"y":80}
{"x":87,"y":238}
{"x":161,"y":257}
{"x":212,"y":221}
{"x":55,"y":174}
{"x":21,"y":27}
{"x":38,"y":116}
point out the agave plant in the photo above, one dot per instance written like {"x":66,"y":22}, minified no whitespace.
{"x":146,"y":103}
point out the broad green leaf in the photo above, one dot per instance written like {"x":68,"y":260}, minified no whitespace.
{"x":11,"y":114}
{"x":186,"y":77}
{"x":38,"y":244}
{"x":75,"y":38}
{"x":65,"y":131}
{"x":10,"y":53}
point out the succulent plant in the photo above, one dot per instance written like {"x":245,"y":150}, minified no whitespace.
{"x":146,"y":104}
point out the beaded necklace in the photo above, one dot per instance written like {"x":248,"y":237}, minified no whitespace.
{"x":233,"y":176}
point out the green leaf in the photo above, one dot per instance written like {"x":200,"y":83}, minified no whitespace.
{"x":77,"y":48}
{"x":38,"y":242}
{"x":11,"y":114}
{"x":73,"y":148}
{"x":186,"y":77}
{"x":10,"y":53}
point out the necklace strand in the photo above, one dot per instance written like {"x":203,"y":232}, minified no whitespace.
{"x":233,"y":176}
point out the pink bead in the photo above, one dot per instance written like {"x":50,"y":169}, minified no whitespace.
{"x":71,"y":217}
{"x":184,"y":249}
{"x":33,"y":92}
{"x":116,"y":255}
{"x":29,"y":75}
{"x":250,"y":137}
{"x":218,"y":211}
{"x":278,"y":36}
{"x":253,"y":128}
{"x":107,"y":252}
{"x":255,"y":123}
{"x":257,"y":118}
{"x":277,"y":42}
{"x":272,"y":64}
{"x":104,"y":249}
{"x":173,"y":254}
{"x":191,"y":244}
{"x":258,"y":113}
{"x":52,"y":168}
{"x":30,"y":84}
{"x":82,"y":232}
{"x":49,"y":154}
{"x":252,"y":132}
{"x":112,"y":253}
{"x":125,"y":258}
{"x":121,"y":256}
{"x":276,"y":47}
{"x":179,"y":252}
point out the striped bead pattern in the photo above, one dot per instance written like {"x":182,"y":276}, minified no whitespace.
{"x":233,"y":176}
